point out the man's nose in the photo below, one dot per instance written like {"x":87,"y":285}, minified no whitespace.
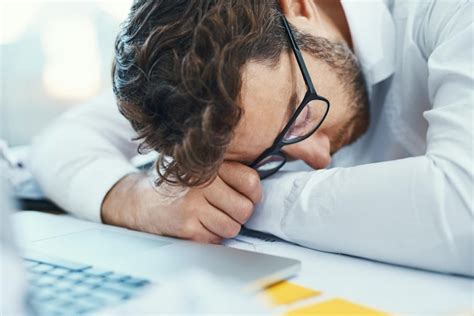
{"x":315,"y":151}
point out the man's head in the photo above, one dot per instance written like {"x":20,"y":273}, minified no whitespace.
{"x":208,"y":81}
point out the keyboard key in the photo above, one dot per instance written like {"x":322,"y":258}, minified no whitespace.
{"x":64,"y":295}
{"x":135,"y":282}
{"x":63,"y":285}
{"x":91,"y":285}
{"x":81,"y":288}
{"x":79,"y":294}
{"x":60,"y":272}
{"x":116,"y":289}
{"x":93,"y":280}
{"x":45,"y":280}
{"x":97,"y":272}
{"x":117,"y":277}
{"x":75,"y":276}
{"x":65,"y":302}
{"x":42,"y":268}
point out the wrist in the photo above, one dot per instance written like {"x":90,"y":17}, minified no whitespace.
{"x":119,"y":207}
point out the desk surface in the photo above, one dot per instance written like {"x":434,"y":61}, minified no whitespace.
{"x":386,"y":287}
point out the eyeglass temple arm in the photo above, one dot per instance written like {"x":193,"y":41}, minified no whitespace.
{"x":299,"y":57}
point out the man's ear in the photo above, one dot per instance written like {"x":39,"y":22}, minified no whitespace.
{"x":297,"y":10}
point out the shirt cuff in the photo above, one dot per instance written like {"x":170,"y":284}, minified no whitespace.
{"x":89,"y":187}
{"x":278,"y":191}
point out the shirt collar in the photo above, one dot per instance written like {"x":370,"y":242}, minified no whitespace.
{"x":373,"y":36}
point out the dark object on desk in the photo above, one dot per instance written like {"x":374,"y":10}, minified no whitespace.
{"x":244,"y":231}
{"x":29,"y":196}
{"x":38,"y":205}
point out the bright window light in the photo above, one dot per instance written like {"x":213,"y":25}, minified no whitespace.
{"x":117,"y":8}
{"x":15,"y":17}
{"x":72,"y":69}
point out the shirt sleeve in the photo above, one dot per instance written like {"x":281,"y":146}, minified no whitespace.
{"x":82,"y":155}
{"x":416,"y":211}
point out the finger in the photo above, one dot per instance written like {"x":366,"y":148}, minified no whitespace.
{"x":186,"y":225}
{"x":204,"y":235}
{"x":219,"y":223}
{"x":243,"y":179}
{"x":229,"y":201}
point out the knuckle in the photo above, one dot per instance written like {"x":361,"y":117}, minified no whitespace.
{"x":254,"y":186}
{"x":188,"y":229}
{"x":232,"y":229}
{"x":253,"y":180}
{"x":246,"y":211}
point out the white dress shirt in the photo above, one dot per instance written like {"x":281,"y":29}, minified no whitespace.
{"x":403,"y":193}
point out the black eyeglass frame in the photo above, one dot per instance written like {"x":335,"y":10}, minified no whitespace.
{"x":311,"y":95}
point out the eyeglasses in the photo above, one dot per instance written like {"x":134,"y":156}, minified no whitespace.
{"x":306,"y":119}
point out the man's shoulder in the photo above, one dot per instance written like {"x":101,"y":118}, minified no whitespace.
{"x":429,"y":23}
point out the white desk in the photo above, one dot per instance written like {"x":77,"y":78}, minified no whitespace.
{"x":382,"y":286}
{"x":386,"y":287}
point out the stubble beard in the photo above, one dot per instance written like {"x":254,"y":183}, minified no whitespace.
{"x":339,"y":57}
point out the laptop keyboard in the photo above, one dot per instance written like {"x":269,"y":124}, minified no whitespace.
{"x":58,"y":287}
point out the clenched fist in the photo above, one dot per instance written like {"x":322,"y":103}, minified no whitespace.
{"x":205,"y":214}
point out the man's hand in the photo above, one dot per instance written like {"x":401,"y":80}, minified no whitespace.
{"x":206,"y":214}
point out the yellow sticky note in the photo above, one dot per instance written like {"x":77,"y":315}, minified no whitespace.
{"x":286,"y":293}
{"x":336,"y":307}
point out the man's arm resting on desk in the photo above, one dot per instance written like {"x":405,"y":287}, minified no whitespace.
{"x":404,"y":212}
{"x":83,"y":164}
{"x":204,"y":214}
{"x":416,"y":211}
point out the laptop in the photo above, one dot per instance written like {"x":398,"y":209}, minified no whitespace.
{"x":80,"y":267}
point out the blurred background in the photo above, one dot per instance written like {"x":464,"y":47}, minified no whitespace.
{"x":53,"y":55}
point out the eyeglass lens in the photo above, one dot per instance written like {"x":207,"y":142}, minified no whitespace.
{"x":307,"y":121}
{"x":270,"y":163}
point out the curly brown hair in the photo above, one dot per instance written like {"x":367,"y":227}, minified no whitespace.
{"x":177,"y":77}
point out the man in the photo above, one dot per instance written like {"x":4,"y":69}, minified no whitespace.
{"x":227,"y":91}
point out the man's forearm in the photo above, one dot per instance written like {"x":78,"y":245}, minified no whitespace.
{"x":404,"y":212}
{"x":119,"y":204}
